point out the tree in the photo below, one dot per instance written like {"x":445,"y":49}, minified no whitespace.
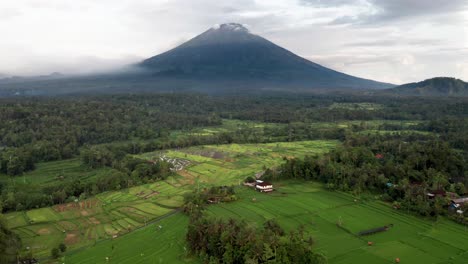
{"x":15,"y":166}
{"x":10,"y":244}
{"x":55,"y":253}
{"x":62,"y":247}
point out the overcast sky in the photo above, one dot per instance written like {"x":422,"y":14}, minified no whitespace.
{"x":395,"y":41}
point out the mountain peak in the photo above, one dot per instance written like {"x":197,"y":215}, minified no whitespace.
{"x":236,"y":27}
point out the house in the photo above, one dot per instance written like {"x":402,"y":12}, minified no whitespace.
{"x":250,"y":183}
{"x":461,"y":200}
{"x":214,"y":200}
{"x":437,"y":193}
{"x":457,"y":203}
{"x":264,"y":186}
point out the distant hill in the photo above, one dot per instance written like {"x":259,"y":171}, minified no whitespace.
{"x":224,"y":59}
{"x":440,"y":86}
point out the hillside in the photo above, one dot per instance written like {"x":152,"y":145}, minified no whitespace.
{"x":440,"y":86}
{"x":224,"y":59}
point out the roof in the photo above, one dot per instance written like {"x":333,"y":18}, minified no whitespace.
{"x":439,"y":192}
{"x":460,"y":200}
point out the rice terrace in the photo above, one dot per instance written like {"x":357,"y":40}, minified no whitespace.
{"x":100,"y":229}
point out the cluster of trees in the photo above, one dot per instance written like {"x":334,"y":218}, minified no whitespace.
{"x":233,"y":241}
{"x":57,"y":251}
{"x":126,"y":172}
{"x":10,"y":244}
{"x":403,"y":168}
{"x":450,"y":129}
{"x":194,"y":202}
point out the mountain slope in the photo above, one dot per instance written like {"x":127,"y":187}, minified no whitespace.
{"x":440,"y":86}
{"x":224,"y":59}
{"x":230,"y":51}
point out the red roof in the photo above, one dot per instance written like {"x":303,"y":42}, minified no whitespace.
{"x":379,"y":156}
{"x":264,"y":184}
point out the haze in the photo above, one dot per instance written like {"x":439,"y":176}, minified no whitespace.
{"x":394,"y":41}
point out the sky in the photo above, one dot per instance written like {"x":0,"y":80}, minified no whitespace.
{"x":396,"y":41}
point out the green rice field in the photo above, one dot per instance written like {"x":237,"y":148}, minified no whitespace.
{"x":142,"y":225}
{"x":112,"y":214}
{"x":332,"y":218}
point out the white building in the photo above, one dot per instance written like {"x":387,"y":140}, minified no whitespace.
{"x":264,"y":187}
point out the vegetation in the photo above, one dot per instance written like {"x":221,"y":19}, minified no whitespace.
{"x":294,"y":203}
{"x":405,"y":169}
{"x":100,"y":173}
{"x":46,"y":129}
{"x":10,"y":244}
{"x":232,"y":241}
{"x":70,"y":187}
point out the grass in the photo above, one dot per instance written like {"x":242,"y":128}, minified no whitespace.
{"x":412,"y":239}
{"x":88,"y":226}
{"x":83,"y":223}
{"x":148,"y":245}
{"x":230,"y":164}
{"x":54,"y":173}
{"x":42,"y":215}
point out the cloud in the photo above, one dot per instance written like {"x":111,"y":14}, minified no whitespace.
{"x":379,"y":11}
{"x":410,"y":8}
{"x":387,"y":40}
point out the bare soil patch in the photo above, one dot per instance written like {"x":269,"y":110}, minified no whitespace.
{"x":71,"y":239}
{"x":43,"y":231}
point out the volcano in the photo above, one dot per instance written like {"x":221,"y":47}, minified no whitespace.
{"x":227,"y":58}
{"x":230,"y":52}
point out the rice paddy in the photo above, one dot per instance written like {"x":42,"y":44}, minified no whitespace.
{"x":141,"y":224}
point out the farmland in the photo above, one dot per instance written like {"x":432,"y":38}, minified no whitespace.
{"x":113,"y":224}
{"x":229,"y":164}
{"x":412,"y":239}
{"x":151,"y":244}
{"x":110,"y":214}
{"x":83,"y":223}
{"x":54,"y":172}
